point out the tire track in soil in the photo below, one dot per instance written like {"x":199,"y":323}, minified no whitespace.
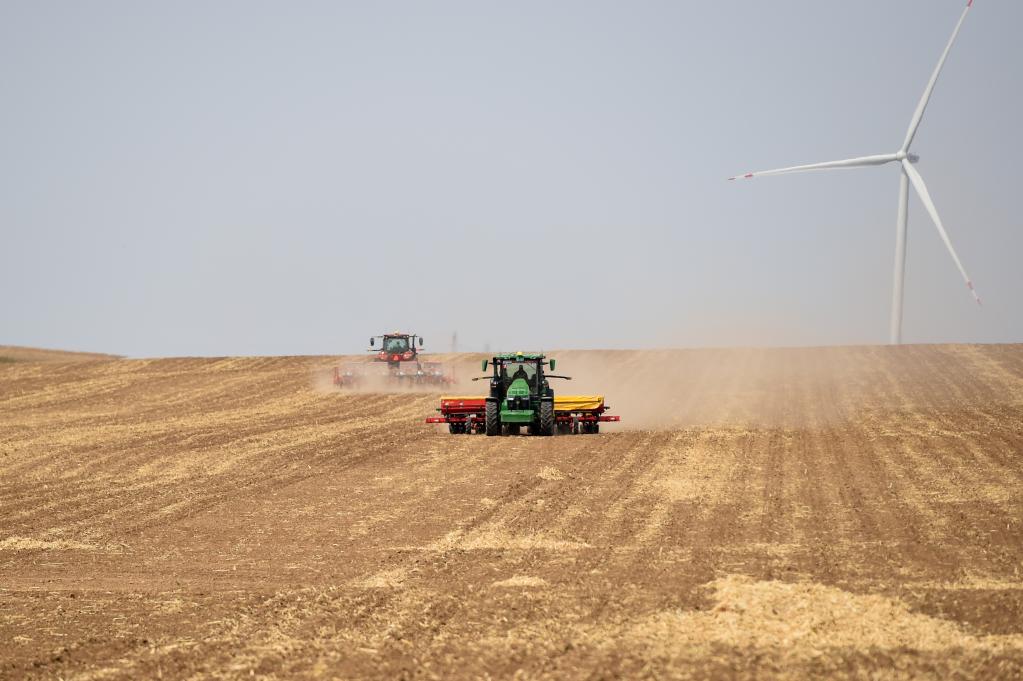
{"x":378,"y":547}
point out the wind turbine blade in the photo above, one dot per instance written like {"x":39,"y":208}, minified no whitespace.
{"x":878,"y":160}
{"x":919,"y":113}
{"x":925,"y":198}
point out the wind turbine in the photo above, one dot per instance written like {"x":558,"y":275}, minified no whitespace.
{"x":908,"y":175}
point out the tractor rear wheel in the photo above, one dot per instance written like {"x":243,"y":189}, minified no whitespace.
{"x":547,"y":417}
{"x":493,"y":419}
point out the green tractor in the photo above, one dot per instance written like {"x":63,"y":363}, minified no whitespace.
{"x":520,"y":395}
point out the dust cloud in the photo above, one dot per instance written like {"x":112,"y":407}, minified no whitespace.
{"x":774,"y":387}
{"x":671,"y":389}
{"x":373,"y":377}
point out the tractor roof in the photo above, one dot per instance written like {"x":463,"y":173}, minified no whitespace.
{"x":515,"y":356}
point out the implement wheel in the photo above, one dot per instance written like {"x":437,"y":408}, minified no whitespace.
{"x":493,"y":419}
{"x":547,"y":417}
{"x":456,"y":428}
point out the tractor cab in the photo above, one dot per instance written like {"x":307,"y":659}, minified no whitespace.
{"x":526,"y":370}
{"x":396,"y":344}
{"x":396,"y":348}
{"x":517,"y":373}
{"x":520,"y":394}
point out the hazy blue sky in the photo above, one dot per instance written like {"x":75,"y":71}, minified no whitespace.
{"x":292,"y":177}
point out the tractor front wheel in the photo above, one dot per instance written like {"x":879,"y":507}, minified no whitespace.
{"x":547,"y":417}
{"x":493,"y":419}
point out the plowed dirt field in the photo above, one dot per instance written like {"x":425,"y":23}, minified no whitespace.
{"x":840,"y":512}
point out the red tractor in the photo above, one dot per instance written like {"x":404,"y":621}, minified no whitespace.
{"x":396,"y":348}
{"x":400,"y":351}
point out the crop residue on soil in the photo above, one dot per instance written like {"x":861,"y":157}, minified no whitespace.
{"x":791,"y":513}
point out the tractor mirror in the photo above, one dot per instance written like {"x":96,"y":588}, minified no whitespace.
{"x":371,"y":341}
{"x":484,"y":365}
{"x":420,"y":341}
{"x":552,"y":364}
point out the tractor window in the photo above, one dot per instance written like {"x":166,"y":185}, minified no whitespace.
{"x":395,"y":344}
{"x":526,"y":370}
